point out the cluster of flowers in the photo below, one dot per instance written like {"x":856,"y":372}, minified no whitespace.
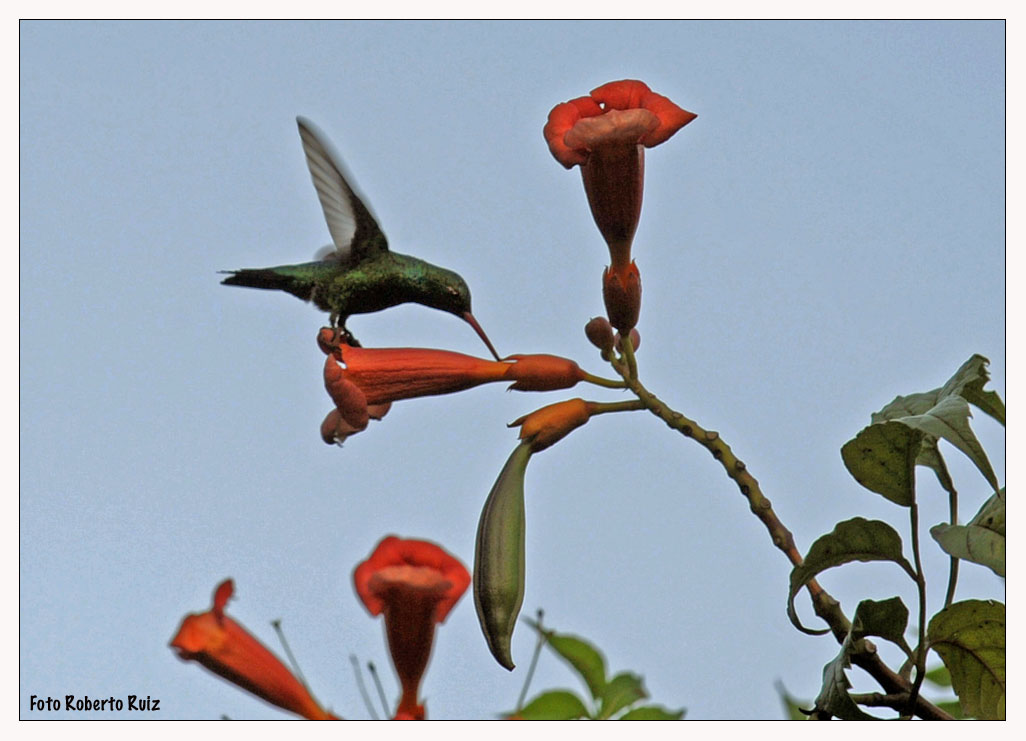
{"x":414,"y":583}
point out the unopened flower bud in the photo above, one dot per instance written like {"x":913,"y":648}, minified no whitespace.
{"x":548,"y":425}
{"x":543,"y":372}
{"x":635,"y":340}
{"x":600,"y":333}
{"x":621,"y":290}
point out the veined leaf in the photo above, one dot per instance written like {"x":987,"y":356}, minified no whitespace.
{"x":833,"y":697}
{"x":621,"y":691}
{"x":982,"y":540}
{"x":583,"y":657}
{"x":968,"y":382}
{"x":949,"y":420}
{"x":972,"y":543}
{"x":992,"y":513}
{"x":969,"y":636}
{"x":883,"y":459}
{"x":857,"y":539}
{"x":553,"y":705}
{"x":887,"y":619}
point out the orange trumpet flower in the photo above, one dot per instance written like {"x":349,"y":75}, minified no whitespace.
{"x":226,"y":648}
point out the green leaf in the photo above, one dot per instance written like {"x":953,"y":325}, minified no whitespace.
{"x":857,"y":539}
{"x":930,"y":457}
{"x":883,"y":459}
{"x":953,"y":708}
{"x":969,"y":636}
{"x":968,"y":382}
{"x":939,"y":676}
{"x":653,"y":712}
{"x":887,"y":619}
{"x":949,"y":420}
{"x":793,"y":707}
{"x":499,"y":557}
{"x":553,"y":705}
{"x":583,"y":657}
{"x":621,"y":691}
{"x":992,"y":513}
{"x":981,"y":541}
{"x":972,"y":543}
{"x":833,"y":697}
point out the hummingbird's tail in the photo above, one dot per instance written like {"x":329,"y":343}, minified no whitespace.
{"x":270,"y":279}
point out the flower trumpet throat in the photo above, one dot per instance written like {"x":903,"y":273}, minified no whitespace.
{"x":575,"y":128}
{"x":376,"y":376}
{"x":414,"y":584}
{"x":606,"y":133}
{"x":226,"y":648}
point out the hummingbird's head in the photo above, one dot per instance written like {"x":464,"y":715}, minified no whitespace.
{"x":452,"y":294}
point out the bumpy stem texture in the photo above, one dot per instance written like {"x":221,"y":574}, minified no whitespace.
{"x":825,"y":606}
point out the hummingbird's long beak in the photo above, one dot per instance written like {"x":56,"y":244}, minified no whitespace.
{"x":469,"y":319}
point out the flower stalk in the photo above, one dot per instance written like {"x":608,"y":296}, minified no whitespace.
{"x":824,"y":605}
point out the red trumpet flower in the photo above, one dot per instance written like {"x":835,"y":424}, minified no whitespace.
{"x":226,"y":648}
{"x":415,"y":584}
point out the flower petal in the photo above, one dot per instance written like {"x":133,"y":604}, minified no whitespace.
{"x":621,"y":95}
{"x":561,"y":120}
{"x":350,"y":400}
{"x":220,"y":644}
{"x":671,"y":118}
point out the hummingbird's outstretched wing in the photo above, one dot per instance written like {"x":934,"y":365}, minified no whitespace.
{"x":353,"y":229}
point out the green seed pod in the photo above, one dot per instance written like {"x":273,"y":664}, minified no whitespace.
{"x":499,"y":557}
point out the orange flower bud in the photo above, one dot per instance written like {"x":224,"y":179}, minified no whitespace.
{"x":548,"y":425}
{"x":621,"y":290}
{"x":543,"y":372}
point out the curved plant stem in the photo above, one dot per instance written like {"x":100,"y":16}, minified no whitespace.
{"x":604,"y":382}
{"x":825,"y":606}
{"x":599,"y":407}
{"x":921,"y":649}
{"x":949,"y":597}
{"x":362,"y":687}
{"x":534,"y":662}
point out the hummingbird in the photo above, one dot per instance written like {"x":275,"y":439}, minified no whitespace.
{"x":359,"y":274}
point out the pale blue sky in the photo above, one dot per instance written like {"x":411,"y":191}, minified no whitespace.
{"x":829,"y":233}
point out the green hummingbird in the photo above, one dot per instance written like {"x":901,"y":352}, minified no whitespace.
{"x":359,"y":275}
